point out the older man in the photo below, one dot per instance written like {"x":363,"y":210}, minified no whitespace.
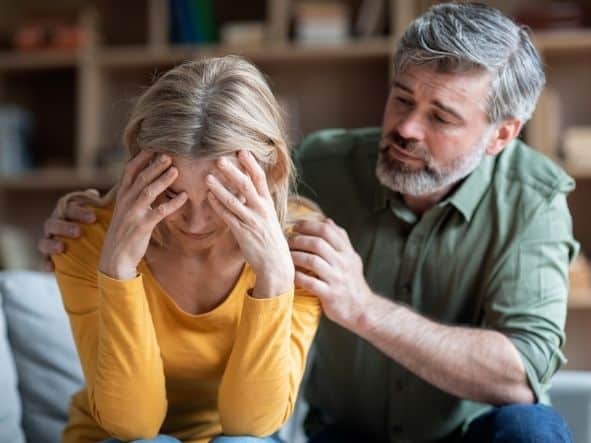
{"x":444,"y":273}
{"x":443,"y":267}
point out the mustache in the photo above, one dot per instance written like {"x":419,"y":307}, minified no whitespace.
{"x":394,"y":138}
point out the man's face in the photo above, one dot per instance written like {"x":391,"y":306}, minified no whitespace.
{"x":435,"y":130}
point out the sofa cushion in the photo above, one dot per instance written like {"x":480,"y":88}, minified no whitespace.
{"x":44,"y":352}
{"x":10,"y":406}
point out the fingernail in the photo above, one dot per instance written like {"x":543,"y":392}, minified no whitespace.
{"x":163,"y":158}
{"x":210,"y":178}
{"x":223,"y":162}
{"x":75,"y":231}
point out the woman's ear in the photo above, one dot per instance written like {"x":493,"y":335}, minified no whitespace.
{"x":505,"y":132}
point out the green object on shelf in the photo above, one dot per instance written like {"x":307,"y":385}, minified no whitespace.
{"x":202,"y":14}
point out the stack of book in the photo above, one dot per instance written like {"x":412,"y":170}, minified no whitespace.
{"x":15,"y":132}
{"x":321,"y":22}
{"x":192,"y":21}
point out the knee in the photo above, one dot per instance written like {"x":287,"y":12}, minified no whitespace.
{"x":528,"y":424}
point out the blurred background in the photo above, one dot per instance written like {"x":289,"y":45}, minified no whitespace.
{"x":70,"y":70}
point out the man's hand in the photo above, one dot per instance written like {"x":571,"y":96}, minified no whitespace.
{"x":74,"y":214}
{"x":324,"y":249}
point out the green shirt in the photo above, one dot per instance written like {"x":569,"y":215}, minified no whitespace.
{"x":495,"y":255}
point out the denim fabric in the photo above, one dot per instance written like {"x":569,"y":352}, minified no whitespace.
{"x":506,"y":424}
{"x":519,"y":424}
{"x":159,"y":439}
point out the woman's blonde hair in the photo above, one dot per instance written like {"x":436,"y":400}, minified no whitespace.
{"x":215,"y":107}
{"x":206,"y":109}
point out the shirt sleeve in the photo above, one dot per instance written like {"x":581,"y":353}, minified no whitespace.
{"x":116,"y":341}
{"x":260,"y":384}
{"x":527,"y":294}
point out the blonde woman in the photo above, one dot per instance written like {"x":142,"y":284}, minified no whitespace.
{"x":180,"y":295}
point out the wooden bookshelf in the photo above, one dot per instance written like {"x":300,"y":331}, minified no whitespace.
{"x":57,"y":178}
{"x":579,"y":300}
{"x":97,"y":84}
{"x":562,"y":41}
{"x":11,"y":61}
{"x":267,"y":53}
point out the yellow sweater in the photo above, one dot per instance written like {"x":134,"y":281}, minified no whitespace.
{"x":152,"y":368}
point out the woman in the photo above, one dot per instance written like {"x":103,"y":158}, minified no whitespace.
{"x":181,"y":296}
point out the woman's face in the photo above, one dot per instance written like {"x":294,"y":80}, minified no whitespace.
{"x":195,"y":226}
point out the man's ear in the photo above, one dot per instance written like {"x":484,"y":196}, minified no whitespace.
{"x":505,"y":132}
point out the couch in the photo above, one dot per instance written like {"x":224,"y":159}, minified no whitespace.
{"x":39,"y":368}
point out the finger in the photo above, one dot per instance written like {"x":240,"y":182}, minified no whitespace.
{"x":55,"y":226}
{"x":224,"y":213}
{"x":47,"y":265}
{"x":152,"y":190}
{"x":314,"y":245}
{"x":256,"y":172}
{"x":48,"y":246}
{"x":228,"y":200}
{"x":78,"y":212}
{"x":93,"y":191}
{"x":322,"y":229}
{"x":311,"y":284}
{"x":135,"y":166}
{"x":238,"y":181}
{"x":151,"y":172}
{"x":313,"y":263}
{"x":166,"y":208}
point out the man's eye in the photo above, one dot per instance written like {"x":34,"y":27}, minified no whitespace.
{"x":440,"y":119}
{"x":403,"y":100}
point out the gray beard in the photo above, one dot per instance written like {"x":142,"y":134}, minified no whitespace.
{"x":400,"y":178}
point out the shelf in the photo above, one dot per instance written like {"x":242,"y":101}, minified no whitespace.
{"x":12,"y":60}
{"x":577,"y":173}
{"x":141,"y":56}
{"x":579,"y":299}
{"x":564,"y":40}
{"x":57,"y":179}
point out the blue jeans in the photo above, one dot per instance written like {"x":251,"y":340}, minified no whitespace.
{"x":220,"y":439}
{"x":505,"y":424}
{"x":519,"y":424}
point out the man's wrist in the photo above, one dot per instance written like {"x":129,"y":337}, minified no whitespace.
{"x":373,"y":315}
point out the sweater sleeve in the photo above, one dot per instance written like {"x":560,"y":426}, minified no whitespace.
{"x":260,"y":384}
{"x":116,"y":341}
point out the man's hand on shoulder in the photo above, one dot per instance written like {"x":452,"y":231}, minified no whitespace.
{"x":64,"y":225}
{"x":328,"y":266}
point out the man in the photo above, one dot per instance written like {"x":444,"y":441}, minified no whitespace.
{"x":443,"y":268}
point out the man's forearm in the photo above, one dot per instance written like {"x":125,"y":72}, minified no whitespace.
{"x":476,"y":364}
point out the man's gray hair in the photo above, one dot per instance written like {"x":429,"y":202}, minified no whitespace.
{"x":471,"y":37}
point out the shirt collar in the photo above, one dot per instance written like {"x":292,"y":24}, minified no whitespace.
{"x":466,"y":198}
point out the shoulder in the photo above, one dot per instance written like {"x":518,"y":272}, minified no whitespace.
{"x":337,"y":169}
{"x":329,"y":144}
{"x":530,"y":173}
{"x":528,"y":196}
{"x":83,"y":253}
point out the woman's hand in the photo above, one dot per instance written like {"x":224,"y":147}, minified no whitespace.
{"x":134,"y":219}
{"x":253,"y":222}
